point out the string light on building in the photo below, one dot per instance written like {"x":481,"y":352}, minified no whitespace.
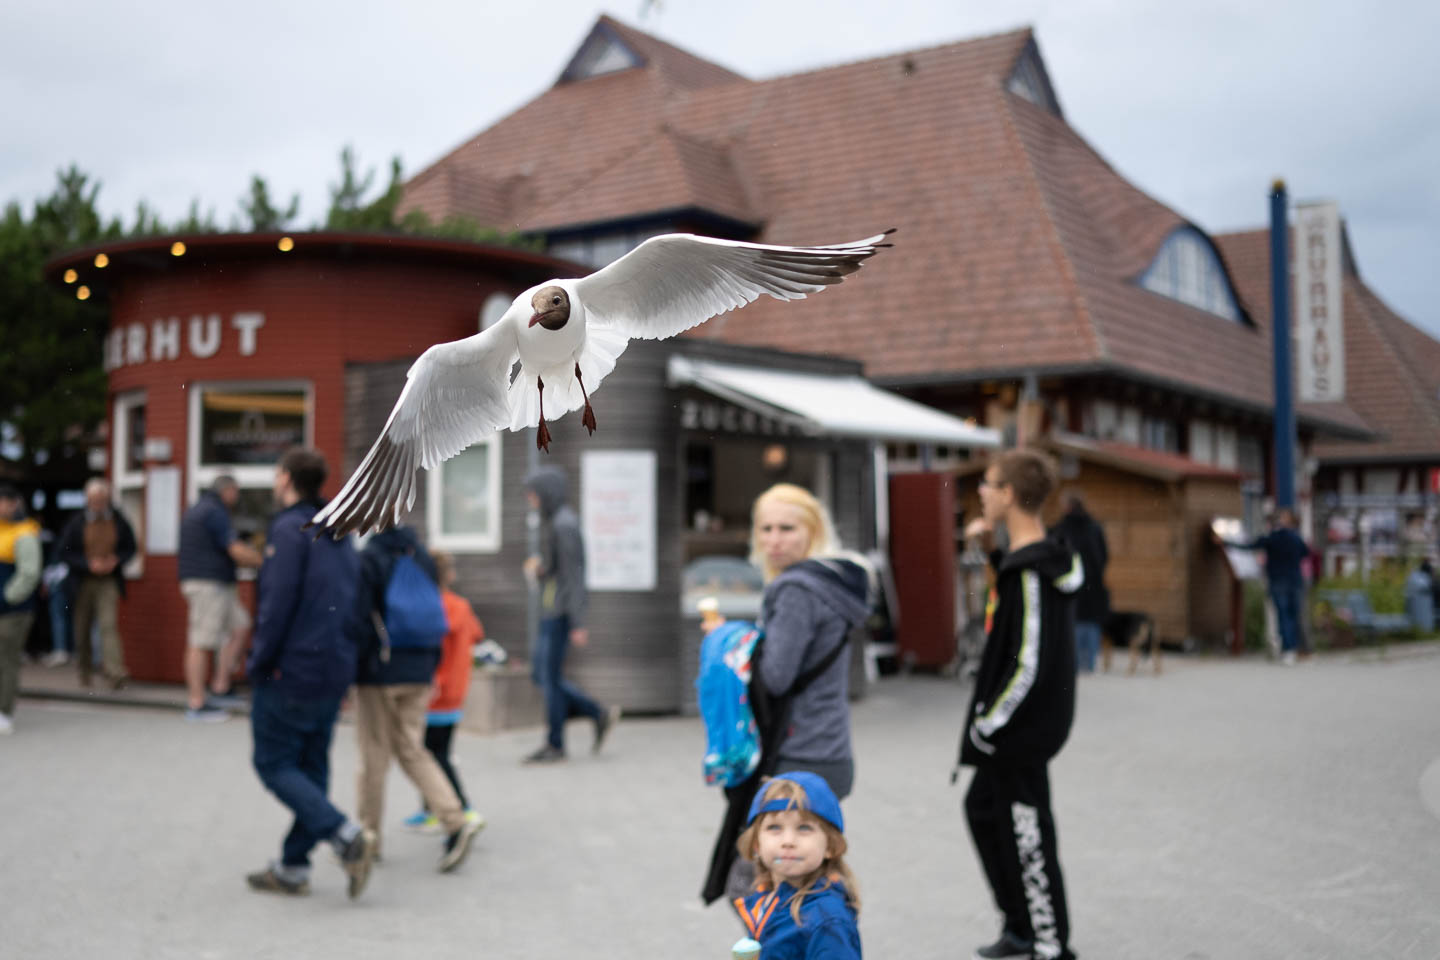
{"x":177,"y":249}
{"x":101,"y":261}
{"x":71,"y":276}
{"x":82,"y":293}
{"x":286,"y":244}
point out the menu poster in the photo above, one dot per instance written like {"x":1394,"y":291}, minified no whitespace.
{"x":617,"y":516}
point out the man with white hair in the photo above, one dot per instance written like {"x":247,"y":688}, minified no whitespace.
{"x":96,"y":545}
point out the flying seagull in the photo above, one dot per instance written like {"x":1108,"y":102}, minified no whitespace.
{"x":567,"y":335}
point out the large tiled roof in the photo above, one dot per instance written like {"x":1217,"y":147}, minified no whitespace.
{"x":1392,"y":368}
{"x":1018,"y":245}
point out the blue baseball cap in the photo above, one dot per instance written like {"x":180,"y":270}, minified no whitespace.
{"x":819,"y":797}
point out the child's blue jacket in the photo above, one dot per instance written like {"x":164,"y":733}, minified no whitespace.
{"x":827,"y":929}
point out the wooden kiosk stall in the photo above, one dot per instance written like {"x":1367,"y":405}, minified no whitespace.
{"x":1156,"y":510}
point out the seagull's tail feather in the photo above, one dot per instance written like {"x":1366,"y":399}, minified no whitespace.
{"x":603,"y":347}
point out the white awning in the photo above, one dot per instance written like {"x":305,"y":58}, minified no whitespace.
{"x":828,"y":404}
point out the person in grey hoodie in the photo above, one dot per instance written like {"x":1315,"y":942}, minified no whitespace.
{"x":814,"y":597}
{"x":559,"y":569}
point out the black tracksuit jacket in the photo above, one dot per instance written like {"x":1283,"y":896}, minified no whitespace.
{"x":1024,"y":698}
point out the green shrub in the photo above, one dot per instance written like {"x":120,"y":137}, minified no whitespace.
{"x":1254,"y":615}
{"x":1385,"y":588}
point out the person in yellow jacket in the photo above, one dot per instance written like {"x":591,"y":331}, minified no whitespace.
{"x":21,"y":560}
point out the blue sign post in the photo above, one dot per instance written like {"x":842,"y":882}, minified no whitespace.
{"x":1284,"y":444}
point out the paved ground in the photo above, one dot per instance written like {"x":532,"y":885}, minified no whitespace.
{"x":1224,"y":810}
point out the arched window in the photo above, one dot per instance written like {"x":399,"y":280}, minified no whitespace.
{"x":1188,"y":269}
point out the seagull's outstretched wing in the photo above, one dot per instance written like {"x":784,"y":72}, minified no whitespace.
{"x":454,"y":395}
{"x":671,"y":283}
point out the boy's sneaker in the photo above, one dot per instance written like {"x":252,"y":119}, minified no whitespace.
{"x":55,"y":658}
{"x":421,"y":822}
{"x":7,"y":726}
{"x":475,"y":816}
{"x":457,"y":845}
{"x":206,"y":714}
{"x":358,"y":858}
{"x":1008,"y":947}
{"x":268,"y":881}
{"x":224,"y":700}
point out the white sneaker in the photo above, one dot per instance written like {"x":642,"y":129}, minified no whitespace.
{"x":55,"y":658}
{"x":1288,"y":658}
{"x":7,"y":726}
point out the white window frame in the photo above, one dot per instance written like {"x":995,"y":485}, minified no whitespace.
{"x":202,"y":475}
{"x":436,"y":538}
{"x":123,"y":480}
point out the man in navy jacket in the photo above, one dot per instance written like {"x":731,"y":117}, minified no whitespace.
{"x":302,"y":663}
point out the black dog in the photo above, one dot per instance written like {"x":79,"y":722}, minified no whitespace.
{"x":1133,"y":630}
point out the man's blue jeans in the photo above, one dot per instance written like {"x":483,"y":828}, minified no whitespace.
{"x":1288,"y":598}
{"x":563,"y":700}
{"x":292,"y":757}
{"x":1087,"y":645}
{"x":59,"y":607}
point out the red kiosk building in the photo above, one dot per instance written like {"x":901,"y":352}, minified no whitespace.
{"x":224,"y":350}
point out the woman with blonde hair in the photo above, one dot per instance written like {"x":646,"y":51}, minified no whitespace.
{"x":814,"y":597}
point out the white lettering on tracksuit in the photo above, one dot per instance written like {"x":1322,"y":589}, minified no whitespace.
{"x":1037,"y":884}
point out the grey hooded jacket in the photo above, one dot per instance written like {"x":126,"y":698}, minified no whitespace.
{"x":808,"y":610}
{"x":562,"y":550}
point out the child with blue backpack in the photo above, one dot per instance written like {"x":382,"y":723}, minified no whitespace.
{"x":805,"y":902}
{"x":402,"y":626}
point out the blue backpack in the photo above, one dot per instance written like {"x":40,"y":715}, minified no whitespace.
{"x":732,"y":739}
{"x":414,"y":614}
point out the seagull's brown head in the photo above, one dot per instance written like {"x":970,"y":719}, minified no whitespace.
{"x":552,"y":308}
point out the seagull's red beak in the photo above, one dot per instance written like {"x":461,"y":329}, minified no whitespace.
{"x":534,"y":319}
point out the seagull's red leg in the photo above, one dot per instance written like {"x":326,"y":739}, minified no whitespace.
{"x":588,"y":418}
{"x":542,"y":436}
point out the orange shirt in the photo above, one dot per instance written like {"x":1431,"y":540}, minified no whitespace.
{"x":452,"y":677}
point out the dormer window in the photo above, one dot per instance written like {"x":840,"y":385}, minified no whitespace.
{"x":1188,"y":269}
{"x":601,"y":53}
{"x":1028,"y":79}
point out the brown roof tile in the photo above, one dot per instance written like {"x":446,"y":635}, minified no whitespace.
{"x":1018,"y":248}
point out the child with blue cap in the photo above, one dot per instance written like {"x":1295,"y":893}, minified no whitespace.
{"x":805,"y":901}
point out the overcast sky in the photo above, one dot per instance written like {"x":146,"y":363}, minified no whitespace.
{"x":1199,"y":104}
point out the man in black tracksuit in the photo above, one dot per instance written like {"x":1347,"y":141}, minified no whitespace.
{"x":1021,"y":712}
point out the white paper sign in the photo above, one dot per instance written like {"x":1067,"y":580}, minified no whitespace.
{"x":617,"y":516}
{"x":1319,"y":320}
{"x":162,"y":511}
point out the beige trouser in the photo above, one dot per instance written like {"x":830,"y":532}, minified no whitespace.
{"x":390,"y":722}
{"x":96,"y":602}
